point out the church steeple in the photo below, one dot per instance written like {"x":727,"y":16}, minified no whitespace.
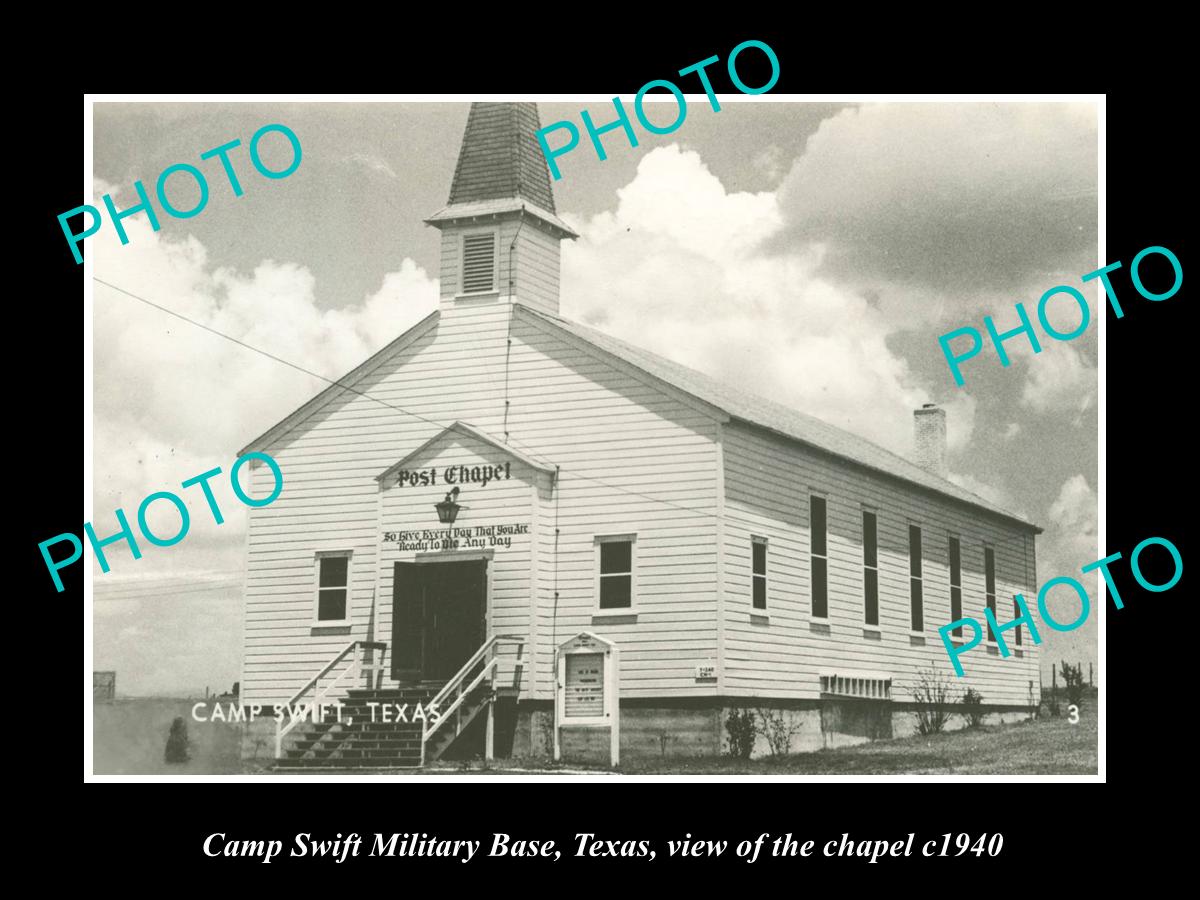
{"x":500,"y":233}
{"x":500,"y":157}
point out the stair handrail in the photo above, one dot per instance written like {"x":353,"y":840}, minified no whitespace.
{"x":286,"y":723}
{"x":455,"y":685}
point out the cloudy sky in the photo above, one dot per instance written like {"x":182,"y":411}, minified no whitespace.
{"x":811,"y":252}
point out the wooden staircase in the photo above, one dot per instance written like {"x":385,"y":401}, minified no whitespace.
{"x":364,"y":737}
{"x":376,"y":728}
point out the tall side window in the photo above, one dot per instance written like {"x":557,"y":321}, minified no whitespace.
{"x":758,"y":571}
{"x":819,"y":559}
{"x":870,"y":569}
{"x":989,"y":576}
{"x":955,"y":584}
{"x":614,"y":571}
{"x":915,"y":592}
{"x":333,"y":587}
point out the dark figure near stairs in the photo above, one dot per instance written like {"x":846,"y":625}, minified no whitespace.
{"x":177,"y":742}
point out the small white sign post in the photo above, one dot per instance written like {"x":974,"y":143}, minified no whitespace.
{"x":586,"y":689}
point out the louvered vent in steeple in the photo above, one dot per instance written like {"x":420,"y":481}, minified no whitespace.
{"x":500,"y":234}
{"x":479,"y":263}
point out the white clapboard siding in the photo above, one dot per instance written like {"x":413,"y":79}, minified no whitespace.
{"x":768,"y":483}
{"x":632,"y":460}
{"x":528,"y":265}
{"x":632,"y":457}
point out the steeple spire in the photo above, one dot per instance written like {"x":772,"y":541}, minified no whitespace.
{"x":500,"y":157}
{"x":500,"y":232}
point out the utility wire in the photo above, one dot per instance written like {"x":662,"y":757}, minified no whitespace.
{"x":439,"y":425}
{"x":346,"y":387}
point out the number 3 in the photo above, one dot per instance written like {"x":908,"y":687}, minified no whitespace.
{"x":1073,"y":712}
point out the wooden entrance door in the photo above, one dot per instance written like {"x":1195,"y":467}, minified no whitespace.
{"x":438,"y":617}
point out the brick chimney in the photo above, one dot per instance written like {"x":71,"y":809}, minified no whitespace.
{"x":929,"y":433}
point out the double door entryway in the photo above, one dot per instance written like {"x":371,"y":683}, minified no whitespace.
{"x":439,"y":617}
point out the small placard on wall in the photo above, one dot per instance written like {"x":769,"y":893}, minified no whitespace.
{"x":706,"y":672}
{"x":584,"y":690}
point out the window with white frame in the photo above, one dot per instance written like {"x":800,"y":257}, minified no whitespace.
{"x":817,"y":557}
{"x":758,"y":571}
{"x":333,"y":587}
{"x":870,"y":569}
{"x":479,"y":262}
{"x":955,"y":584}
{"x":989,"y":586}
{"x":915,"y":580}
{"x":614,"y":570}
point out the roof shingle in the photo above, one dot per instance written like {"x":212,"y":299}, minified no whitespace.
{"x":776,"y":417}
{"x":500,"y":157}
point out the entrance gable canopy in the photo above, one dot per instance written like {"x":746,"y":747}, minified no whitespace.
{"x":456,"y":432}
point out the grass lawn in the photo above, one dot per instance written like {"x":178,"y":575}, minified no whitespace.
{"x":1046,"y":746}
{"x":129,"y":739}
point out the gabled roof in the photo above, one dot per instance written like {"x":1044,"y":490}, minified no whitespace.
{"x":737,"y":404}
{"x":776,"y":417}
{"x":470,"y":431}
{"x":342,"y":386}
{"x":501,"y":157}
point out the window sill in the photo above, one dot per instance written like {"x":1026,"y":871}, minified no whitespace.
{"x":872,"y":633}
{"x":819,"y":626}
{"x":916,"y":640}
{"x":993,"y":650}
{"x":326,"y":629}
{"x":759,"y":618}
{"x":614,"y":617}
{"x":480,"y":295}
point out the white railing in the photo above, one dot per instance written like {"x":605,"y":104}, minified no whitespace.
{"x":487,"y":659}
{"x":355,"y":664}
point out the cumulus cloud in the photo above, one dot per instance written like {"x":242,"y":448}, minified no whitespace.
{"x":990,"y":492}
{"x":172,"y":400}
{"x":1059,"y":379}
{"x":1073,"y":518}
{"x":371,"y":162}
{"x":1071,"y":542}
{"x":1011,"y":430}
{"x":680,"y":267}
{"x":948,"y":198}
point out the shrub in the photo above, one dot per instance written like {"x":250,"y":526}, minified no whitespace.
{"x":932,"y":696}
{"x":177,"y":742}
{"x":778,"y":726}
{"x":743,"y":729}
{"x":1073,"y":682}
{"x":546,"y":730}
{"x":972,"y":708}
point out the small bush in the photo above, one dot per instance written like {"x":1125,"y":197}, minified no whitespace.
{"x":779,"y":727}
{"x":932,"y":696}
{"x":177,"y":742}
{"x":1073,"y":682}
{"x":743,"y":729}
{"x":546,"y":730}
{"x":972,"y":708}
